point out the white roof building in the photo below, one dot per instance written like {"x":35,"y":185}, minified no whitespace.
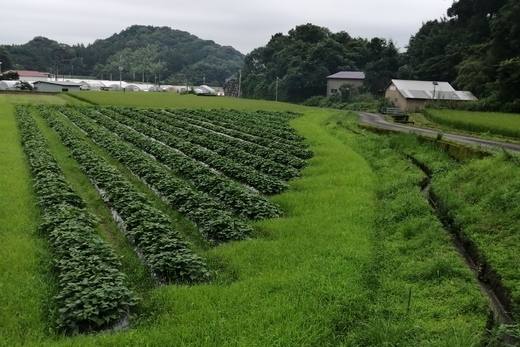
{"x":410,"y":95}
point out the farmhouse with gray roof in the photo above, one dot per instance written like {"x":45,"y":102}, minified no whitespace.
{"x":338,"y":79}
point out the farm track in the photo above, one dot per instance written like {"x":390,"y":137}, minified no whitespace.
{"x":378,"y":120}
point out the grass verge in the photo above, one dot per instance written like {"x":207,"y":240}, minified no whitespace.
{"x":422,"y":294}
{"x":25,"y":281}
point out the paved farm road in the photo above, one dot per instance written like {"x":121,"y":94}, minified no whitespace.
{"x":379,"y":121}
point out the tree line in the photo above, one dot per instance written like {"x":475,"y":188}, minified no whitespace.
{"x":140,"y":53}
{"x":475,"y":47}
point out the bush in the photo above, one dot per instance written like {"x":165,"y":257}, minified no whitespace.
{"x":23,"y":85}
{"x":314,"y":101}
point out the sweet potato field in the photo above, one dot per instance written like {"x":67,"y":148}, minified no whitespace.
{"x":211,"y":190}
{"x":238,"y":227}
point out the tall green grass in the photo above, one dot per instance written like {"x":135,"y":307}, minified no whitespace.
{"x":505,"y":124}
{"x":422,"y":294}
{"x":483,"y":197}
{"x":25,"y":283}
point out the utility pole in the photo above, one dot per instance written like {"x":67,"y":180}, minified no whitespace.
{"x":276,"y":96}
{"x":239,"y":83}
{"x":120,"y":77}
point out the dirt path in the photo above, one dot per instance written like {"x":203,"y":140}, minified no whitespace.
{"x":379,"y":121}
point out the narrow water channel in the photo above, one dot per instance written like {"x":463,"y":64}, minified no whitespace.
{"x":488,"y":281}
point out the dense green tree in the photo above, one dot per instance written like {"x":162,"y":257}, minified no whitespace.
{"x":433,"y":53}
{"x":508,"y":80}
{"x":10,"y":76}
{"x":146,"y":53}
{"x":384,"y":63}
{"x":294,"y":67}
{"x":5,"y":59}
{"x":475,"y":47}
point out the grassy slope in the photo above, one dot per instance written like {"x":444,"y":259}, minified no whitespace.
{"x":24,"y":286}
{"x":483,"y":197}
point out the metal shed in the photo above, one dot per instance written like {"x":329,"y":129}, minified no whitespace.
{"x":56,"y":86}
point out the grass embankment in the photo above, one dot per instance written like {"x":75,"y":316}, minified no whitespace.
{"x":25,"y":285}
{"x":503,"y":124}
{"x":483,"y":197}
{"x":422,"y":294}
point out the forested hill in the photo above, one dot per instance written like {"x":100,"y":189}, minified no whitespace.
{"x":144,"y":52}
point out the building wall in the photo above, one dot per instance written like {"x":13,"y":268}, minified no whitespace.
{"x":400,"y":101}
{"x":333,"y":84}
{"x":44,"y":87}
{"x":394,"y":96}
{"x":32,"y":79}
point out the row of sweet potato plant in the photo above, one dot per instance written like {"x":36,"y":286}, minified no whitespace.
{"x":91,"y":290}
{"x":162,"y":248}
{"x":213,"y":143}
{"x":251,"y":123}
{"x":253,"y":148}
{"x":213,"y":220}
{"x":192,"y":158}
{"x":261,"y":137}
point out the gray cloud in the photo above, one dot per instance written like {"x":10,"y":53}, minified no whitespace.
{"x":243,"y":25}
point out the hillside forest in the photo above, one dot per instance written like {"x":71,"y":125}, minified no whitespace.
{"x":475,"y":47}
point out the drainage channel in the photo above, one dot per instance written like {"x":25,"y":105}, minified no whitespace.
{"x":488,"y":280}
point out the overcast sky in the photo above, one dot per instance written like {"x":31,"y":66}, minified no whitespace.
{"x":244,"y":25}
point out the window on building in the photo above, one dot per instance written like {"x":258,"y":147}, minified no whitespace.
{"x":64,"y":89}
{"x":333,"y":91}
